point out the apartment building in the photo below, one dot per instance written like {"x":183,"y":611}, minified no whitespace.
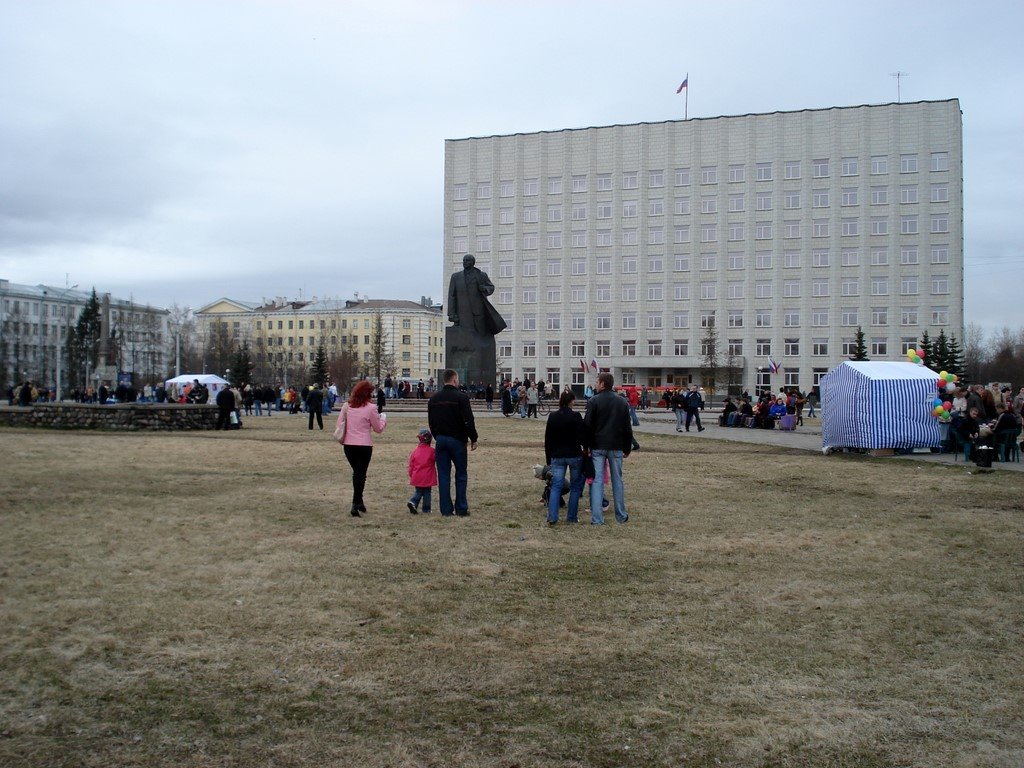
{"x":283,"y":335}
{"x":784,"y":232}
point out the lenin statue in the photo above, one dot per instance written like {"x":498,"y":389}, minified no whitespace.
{"x":469,"y":346}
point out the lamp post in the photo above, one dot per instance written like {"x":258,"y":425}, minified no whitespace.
{"x":62,"y":297}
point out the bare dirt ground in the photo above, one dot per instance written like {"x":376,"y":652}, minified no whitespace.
{"x":205,"y":600}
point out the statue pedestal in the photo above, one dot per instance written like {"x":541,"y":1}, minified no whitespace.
{"x":471,"y":354}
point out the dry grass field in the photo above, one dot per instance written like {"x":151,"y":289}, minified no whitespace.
{"x":205,"y":600}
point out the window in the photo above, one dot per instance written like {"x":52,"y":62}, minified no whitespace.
{"x":708,"y":261}
{"x":879,"y":196}
{"x":629,"y":180}
{"x":656,"y":179}
{"x":604,"y":182}
{"x":656,"y":207}
{"x":530,"y":214}
{"x":736,"y":204}
{"x":483,"y":243}
{"x":603,"y":293}
{"x":554,"y":239}
{"x":791,"y":229}
{"x":940,"y":223}
{"x":764,"y":172}
{"x":629,"y":209}
{"x":850,"y":286}
{"x":579,"y":183}
{"x":554,"y":213}
{"x":505,"y":296}
{"x":819,"y":198}
{"x":459,"y":245}
{"x":850,"y":196}
{"x":554,"y":295}
{"x":908,"y":225}
{"x":680,"y":319}
{"x":460,"y":192}
{"x":604,"y":266}
{"x":940,"y":315}
{"x":851,"y":227}
{"x":682,"y":206}
{"x":656,"y":264}
{"x":791,"y":200}
{"x":908,"y":316}
{"x":735,"y":231}
{"x":763,"y":230}
{"x":578,"y":293}
{"x":907,"y":343}
{"x":735,"y":260}
{"x":879,"y":164}
{"x":629,"y":293}
{"x":681,"y":347}
{"x":579,"y":211}
{"x":604,"y":210}
{"x":629,"y":320}
{"x":709,"y":290}
{"x":791,"y":318}
{"x":708,"y":175}
{"x":654,"y":320}
{"x":506,"y":243}
{"x":529,"y":295}
{"x":709,"y":204}
{"x":554,"y":323}
{"x":529,"y":349}
{"x":629,"y":266}
{"x":483,"y":217}
{"x":737,"y":173}
{"x":529,"y":269}
{"x":579,"y":238}
{"x":821,"y":170}
{"x":735,"y":289}
{"x":819,"y":317}
{"x":554,"y":349}
{"x":940,"y":284}
{"x":792,"y":169}
{"x":763,"y":289}
{"x":654,"y":348}
{"x":879,"y":257}
{"x":908,"y":285}
{"x":763,"y":260}
{"x":820,"y":228}
{"x":849,"y":166}
{"x":791,"y":347}
{"x":629,"y":237}
{"x":529,"y":322}
{"x":763,"y":201}
{"x":506,"y":188}
{"x":879,"y":225}
{"x":879,"y":316}
{"x":707,"y":318}
{"x":820,"y":258}
{"x":681,"y":291}
{"x":880,"y":346}
{"x":682,"y":177}
{"x":603,"y":321}
{"x":578,"y":267}
{"x":734,"y":348}
{"x":763,"y":347}
{"x":908,"y":194}
{"x":603,"y":348}
{"x":940,"y":254}
{"x":940,"y":193}
{"x":735,"y":318}
{"x":681,"y":263}
{"x":819,"y":286}
{"x":709,"y":233}
{"x":604,"y":237}
{"x":849,"y":346}
{"x":791,"y":289}
{"x":940,"y":161}
{"x":879,"y":286}
{"x":578,"y":322}
{"x":908,"y":255}
{"x":656,"y":236}
{"x":483,"y":189}
{"x":908,"y":163}
{"x":655,"y":292}
{"x":555,"y":185}
{"x":460,"y":219}
{"x":763,"y":319}
{"x":682,"y":234}
{"x":531,"y":187}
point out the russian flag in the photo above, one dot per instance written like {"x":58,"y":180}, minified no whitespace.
{"x":772,"y":365}
{"x":685,"y":82}
{"x":593,"y":363}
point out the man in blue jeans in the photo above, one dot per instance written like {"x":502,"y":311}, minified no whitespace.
{"x":450,"y":418}
{"x":609,"y":437}
{"x":563,"y":451}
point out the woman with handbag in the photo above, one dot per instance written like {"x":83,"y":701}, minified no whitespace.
{"x":356,"y":423}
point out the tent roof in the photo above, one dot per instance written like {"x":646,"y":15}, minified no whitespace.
{"x":204,"y":378}
{"x":888,"y":370}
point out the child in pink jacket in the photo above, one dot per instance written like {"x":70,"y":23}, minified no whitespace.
{"x":422,"y":472}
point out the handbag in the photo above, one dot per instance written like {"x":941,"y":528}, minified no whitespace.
{"x":339,"y":431}
{"x":588,"y":467}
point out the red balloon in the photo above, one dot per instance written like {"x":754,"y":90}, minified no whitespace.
{"x":947,"y":405}
{"x":920,"y":353}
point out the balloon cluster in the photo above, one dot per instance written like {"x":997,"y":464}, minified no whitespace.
{"x":915,"y":356}
{"x":941,"y":409}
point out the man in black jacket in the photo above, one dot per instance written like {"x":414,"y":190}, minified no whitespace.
{"x":225,"y":407}
{"x":694,"y":402}
{"x":450,"y":418}
{"x":563,"y":451}
{"x":315,"y":406}
{"x":609,"y":437}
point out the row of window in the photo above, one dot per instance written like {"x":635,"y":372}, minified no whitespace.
{"x":334,"y":323}
{"x":290,"y":357}
{"x":821,"y":168}
{"x":820,"y":317}
{"x":292,"y":341}
{"x":709,"y":233}
{"x":737,"y":203}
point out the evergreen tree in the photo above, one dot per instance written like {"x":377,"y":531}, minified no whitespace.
{"x":382,"y":362}
{"x":318,"y":370}
{"x":926,"y":347}
{"x":709,"y":351}
{"x":956,"y":362}
{"x":84,"y":342}
{"x":940,"y":353}
{"x":860,"y":351}
{"x":241,"y":366}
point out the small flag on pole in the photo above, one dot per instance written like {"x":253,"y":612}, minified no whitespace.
{"x":772,"y":365}
{"x":593,"y":363}
{"x":684,"y":84}
{"x":583,"y":365}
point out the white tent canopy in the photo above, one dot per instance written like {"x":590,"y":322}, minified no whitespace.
{"x":211,"y":381}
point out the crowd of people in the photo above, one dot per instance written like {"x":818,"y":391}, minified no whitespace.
{"x":984,"y":417}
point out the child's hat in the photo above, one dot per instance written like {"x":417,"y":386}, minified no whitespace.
{"x":424,"y":436}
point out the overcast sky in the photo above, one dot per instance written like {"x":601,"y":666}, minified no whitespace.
{"x":182,"y":151}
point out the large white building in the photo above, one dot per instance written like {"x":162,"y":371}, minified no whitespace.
{"x":785,"y":231}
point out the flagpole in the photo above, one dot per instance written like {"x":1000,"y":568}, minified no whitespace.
{"x":686,"y":103}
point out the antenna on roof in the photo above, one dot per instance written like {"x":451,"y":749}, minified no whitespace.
{"x":898,"y":75}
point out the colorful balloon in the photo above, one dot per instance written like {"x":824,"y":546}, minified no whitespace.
{"x":950,"y":386}
{"x":947,"y":406}
{"x":920,"y":353}
{"x":943,"y":375}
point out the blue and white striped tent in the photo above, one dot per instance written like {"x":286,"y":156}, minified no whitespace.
{"x":878,"y":405}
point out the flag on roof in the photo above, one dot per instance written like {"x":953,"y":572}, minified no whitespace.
{"x":684,"y":84}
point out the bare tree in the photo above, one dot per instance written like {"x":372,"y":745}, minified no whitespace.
{"x":974,"y":351}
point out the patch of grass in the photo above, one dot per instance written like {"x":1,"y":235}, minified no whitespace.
{"x":205,"y":600}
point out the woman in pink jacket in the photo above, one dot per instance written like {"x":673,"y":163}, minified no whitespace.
{"x":356,"y":423}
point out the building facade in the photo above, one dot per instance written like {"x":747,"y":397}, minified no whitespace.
{"x":783,"y":233}
{"x":35,"y":321}
{"x":283,"y":335}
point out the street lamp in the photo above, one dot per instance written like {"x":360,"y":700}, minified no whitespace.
{"x":62,"y":296}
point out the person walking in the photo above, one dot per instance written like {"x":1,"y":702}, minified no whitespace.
{"x":356,"y":423}
{"x":489,"y":397}
{"x":225,"y":407}
{"x":694,"y":405}
{"x":563,"y":452}
{"x":315,"y":406}
{"x":532,"y":399}
{"x":450,"y":418}
{"x":422,"y":472}
{"x":609,"y":438}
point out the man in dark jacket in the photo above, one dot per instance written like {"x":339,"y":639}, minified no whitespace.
{"x":315,"y":406}
{"x":609,"y":437}
{"x":450,"y":418}
{"x":225,"y":407}
{"x":563,"y":450}
{"x":694,"y":403}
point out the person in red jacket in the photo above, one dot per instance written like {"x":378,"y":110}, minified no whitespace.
{"x":422,"y":472}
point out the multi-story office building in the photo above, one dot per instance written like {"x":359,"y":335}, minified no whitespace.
{"x":35,"y":321}
{"x":283,"y":335}
{"x":784,"y":231}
